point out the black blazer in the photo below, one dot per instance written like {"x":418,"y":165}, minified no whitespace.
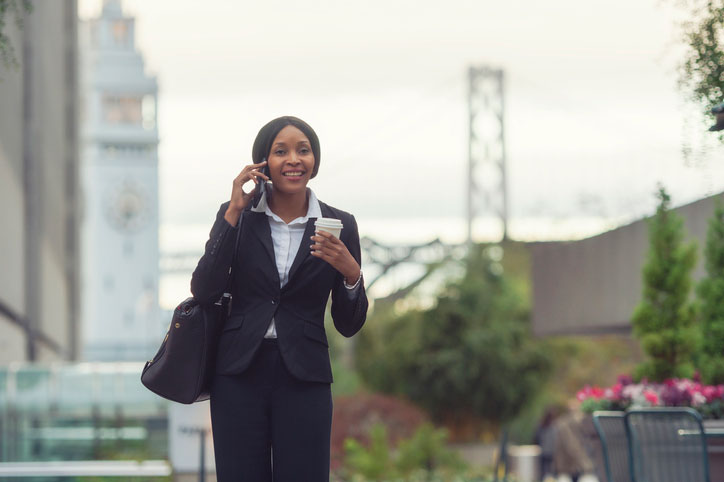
{"x":297,"y":308}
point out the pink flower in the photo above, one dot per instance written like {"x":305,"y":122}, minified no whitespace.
{"x":712,"y":392}
{"x":584,"y":393}
{"x":651,"y":397}
{"x":672,"y":392}
{"x":595,"y":392}
{"x":616,"y":391}
{"x":698,"y":399}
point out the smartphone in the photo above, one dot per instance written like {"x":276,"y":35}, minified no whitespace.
{"x":260,"y":186}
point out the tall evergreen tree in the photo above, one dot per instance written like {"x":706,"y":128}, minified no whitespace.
{"x":664,"y":320}
{"x":711,"y":296}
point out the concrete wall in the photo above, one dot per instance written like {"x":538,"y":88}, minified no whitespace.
{"x":39,"y":187}
{"x":593,"y":285}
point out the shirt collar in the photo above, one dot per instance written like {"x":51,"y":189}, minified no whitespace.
{"x":313,"y":211}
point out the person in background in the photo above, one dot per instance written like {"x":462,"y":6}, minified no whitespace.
{"x":569,"y":453}
{"x":545,"y":438}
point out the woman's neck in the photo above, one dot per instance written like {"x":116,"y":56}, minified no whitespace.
{"x":288,"y":206}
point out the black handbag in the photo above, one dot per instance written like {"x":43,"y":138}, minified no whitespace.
{"x":183,"y":366}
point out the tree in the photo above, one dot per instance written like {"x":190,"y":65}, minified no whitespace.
{"x":702,"y":70}
{"x":711,"y":295}
{"x":18,"y":9}
{"x":664,"y":320}
{"x":470,"y":356}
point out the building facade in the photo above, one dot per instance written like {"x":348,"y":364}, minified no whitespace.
{"x":120,"y":314}
{"x":39,"y":194}
{"x":592,"y":286}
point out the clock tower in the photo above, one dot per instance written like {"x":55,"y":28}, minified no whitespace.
{"x":121,"y":319}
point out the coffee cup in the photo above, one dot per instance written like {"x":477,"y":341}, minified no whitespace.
{"x":330,"y":225}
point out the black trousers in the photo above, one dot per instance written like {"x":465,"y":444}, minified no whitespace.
{"x":268,"y":425}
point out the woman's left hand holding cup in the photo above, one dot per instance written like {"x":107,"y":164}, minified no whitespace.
{"x":329,"y":248}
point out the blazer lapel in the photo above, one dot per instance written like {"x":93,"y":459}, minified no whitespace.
{"x":303,"y":252}
{"x":260,"y":228}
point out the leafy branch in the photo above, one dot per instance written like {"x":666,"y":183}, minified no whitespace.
{"x":17,"y":9}
{"x":701,"y":73}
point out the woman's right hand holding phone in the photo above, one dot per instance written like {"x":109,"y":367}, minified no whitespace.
{"x":240,"y":199}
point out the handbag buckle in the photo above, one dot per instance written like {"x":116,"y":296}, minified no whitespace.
{"x":226,"y":301}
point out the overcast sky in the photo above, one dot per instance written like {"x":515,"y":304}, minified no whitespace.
{"x":593,"y":116}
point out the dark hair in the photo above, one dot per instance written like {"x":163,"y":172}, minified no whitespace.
{"x":267,"y":134}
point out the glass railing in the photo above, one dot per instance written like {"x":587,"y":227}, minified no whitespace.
{"x":80,"y":411}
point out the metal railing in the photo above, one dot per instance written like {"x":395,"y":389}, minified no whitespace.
{"x":87,"y":468}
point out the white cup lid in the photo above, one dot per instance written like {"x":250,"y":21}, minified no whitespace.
{"x":328,"y":222}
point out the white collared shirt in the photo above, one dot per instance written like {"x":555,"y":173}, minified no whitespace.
{"x":287,"y":238}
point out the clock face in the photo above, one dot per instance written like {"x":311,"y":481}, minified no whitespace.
{"x":128,"y":207}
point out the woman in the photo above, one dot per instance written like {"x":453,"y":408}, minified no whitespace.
{"x":271,"y":404}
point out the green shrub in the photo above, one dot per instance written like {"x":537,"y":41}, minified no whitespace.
{"x":427,"y":450}
{"x":470,"y":356}
{"x":373,"y":462}
{"x":424,"y":456}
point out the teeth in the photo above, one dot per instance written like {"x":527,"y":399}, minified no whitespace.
{"x":295,"y":173}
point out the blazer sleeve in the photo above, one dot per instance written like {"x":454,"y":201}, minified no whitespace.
{"x":209,"y":279}
{"x":349,"y":312}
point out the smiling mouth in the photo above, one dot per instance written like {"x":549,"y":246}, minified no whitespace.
{"x":293,"y":174}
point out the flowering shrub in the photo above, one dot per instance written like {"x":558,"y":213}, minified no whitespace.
{"x":674,"y":392}
{"x":355,"y":415}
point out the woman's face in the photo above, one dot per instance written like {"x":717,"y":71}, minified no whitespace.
{"x":291,"y":161}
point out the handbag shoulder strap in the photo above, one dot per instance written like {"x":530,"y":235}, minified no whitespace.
{"x":230,"y":279}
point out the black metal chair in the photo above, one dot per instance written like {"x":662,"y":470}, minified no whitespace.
{"x":667,"y":445}
{"x":611,"y":429}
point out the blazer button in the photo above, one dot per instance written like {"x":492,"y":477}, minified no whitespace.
{"x":274,"y":302}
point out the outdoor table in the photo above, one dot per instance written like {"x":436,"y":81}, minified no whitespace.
{"x":714,"y":433}
{"x":715,"y":448}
